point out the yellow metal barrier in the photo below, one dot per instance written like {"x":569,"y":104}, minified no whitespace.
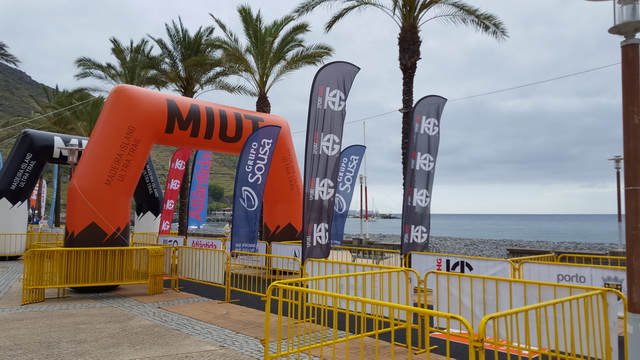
{"x":515,"y":262}
{"x":79,"y":267}
{"x":207,"y":266}
{"x":474,"y":297}
{"x":347,"y":323}
{"x":366,"y":255}
{"x":253,"y":272}
{"x":575,"y":327}
{"x":144,"y":237}
{"x":13,"y":245}
{"x":618,"y":261}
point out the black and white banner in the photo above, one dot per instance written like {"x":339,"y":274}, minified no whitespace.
{"x":327,"y":111}
{"x":424,"y":139}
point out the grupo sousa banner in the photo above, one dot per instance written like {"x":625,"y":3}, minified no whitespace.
{"x":199,"y":190}
{"x":172,"y":188}
{"x":327,"y":111}
{"x":350,"y":160}
{"x":251,"y":178}
{"x":424,"y":139}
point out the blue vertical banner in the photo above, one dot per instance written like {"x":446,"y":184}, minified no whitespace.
{"x":350,"y":160}
{"x":52,"y":209}
{"x":251,"y":178}
{"x":327,"y":111}
{"x":0,"y":159}
{"x":424,"y":140}
{"x":199,"y":190}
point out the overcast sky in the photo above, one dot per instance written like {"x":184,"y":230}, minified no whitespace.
{"x":538,"y":149}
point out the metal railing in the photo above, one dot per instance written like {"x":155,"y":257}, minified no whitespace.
{"x":618,"y":261}
{"x":338,"y":317}
{"x":81,"y":267}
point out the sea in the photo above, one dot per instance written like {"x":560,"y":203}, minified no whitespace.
{"x":580,"y":228}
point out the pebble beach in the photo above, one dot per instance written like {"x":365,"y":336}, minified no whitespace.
{"x":494,"y":248}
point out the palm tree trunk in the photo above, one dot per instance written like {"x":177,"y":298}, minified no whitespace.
{"x":408,"y":55}
{"x":263,"y":104}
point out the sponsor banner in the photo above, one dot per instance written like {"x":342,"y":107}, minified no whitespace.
{"x":350,"y":160}
{"x":327,"y":111}
{"x":258,"y":260}
{"x":54,"y":195}
{"x":424,"y":139}
{"x":204,"y":243}
{"x":575,"y":274}
{"x":171,"y":240}
{"x":172,"y":188}
{"x":199,"y":190}
{"x":423,"y":263}
{"x":251,"y":178}
{"x":289,"y":250}
{"x":1,"y":163}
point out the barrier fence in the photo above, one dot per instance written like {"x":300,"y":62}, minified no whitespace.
{"x":618,"y":261}
{"x":348,"y":323}
{"x":344,"y":307}
{"x":574,"y":327}
{"x":81,"y":267}
{"x":474,"y":297}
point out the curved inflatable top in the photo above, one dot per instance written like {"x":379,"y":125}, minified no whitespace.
{"x":133,"y":120}
{"x":34,"y":149}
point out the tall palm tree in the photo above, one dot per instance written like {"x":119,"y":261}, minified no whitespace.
{"x":135,"y":65}
{"x":191,"y":64}
{"x":6,"y":57}
{"x":271,"y":51}
{"x":410,"y":15}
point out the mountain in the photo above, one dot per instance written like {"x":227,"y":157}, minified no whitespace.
{"x":17,"y":89}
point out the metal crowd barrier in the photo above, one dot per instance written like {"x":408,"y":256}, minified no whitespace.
{"x":337,"y":317}
{"x":619,"y":261}
{"x":478,"y":298}
{"x":366,"y":255}
{"x":253,"y":273}
{"x":202,"y":265}
{"x":517,"y":261}
{"x":80,"y":267}
{"x":574,"y":327}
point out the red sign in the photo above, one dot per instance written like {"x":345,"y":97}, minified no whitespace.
{"x":172,"y":189}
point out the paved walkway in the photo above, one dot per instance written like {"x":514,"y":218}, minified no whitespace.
{"x":124,"y":324}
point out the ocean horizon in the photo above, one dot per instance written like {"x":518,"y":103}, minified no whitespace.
{"x":591,"y":228}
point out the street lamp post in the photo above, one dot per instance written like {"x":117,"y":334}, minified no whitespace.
{"x":626,"y":18}
{"x":617,"y":164}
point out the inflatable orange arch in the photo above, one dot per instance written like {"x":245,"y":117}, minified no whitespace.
{"x":133,"y":120}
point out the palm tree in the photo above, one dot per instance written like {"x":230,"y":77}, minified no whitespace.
{"x":410,"y":15}
{"x":190,"y":65}
{"x":272,"y":51}
{"x":6,"y":57}
{"x":135,"y":65}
